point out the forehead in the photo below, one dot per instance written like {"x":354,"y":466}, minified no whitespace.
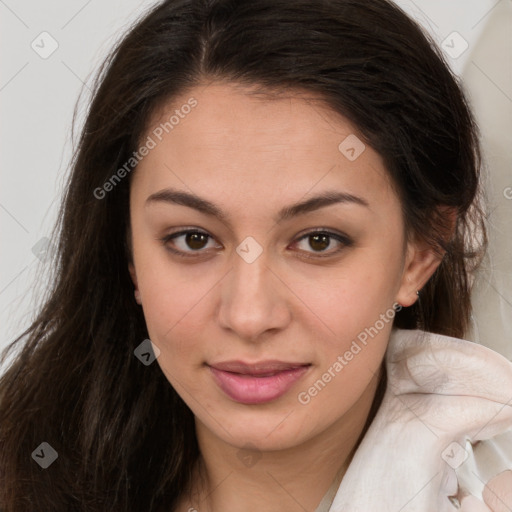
{"x":248,"y":144}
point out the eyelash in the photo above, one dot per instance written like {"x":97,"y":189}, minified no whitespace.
{"x":344,"y":240}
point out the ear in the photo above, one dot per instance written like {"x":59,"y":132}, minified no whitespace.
{"x":422,"y":260}
{"x":420,"y":264}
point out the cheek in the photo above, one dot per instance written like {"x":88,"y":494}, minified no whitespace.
{"x":354,"y":318}
{"x":351,"y":312}
{"x":173,"y":300}
{"x":352,"y":296}
{"x":175,"y":315}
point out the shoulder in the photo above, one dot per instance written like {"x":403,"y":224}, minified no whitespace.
{"x":454,"y":386}
{"x":446,"y":415}
{"x":442,"y":366}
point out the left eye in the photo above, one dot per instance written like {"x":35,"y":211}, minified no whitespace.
{"x":322,"y":241}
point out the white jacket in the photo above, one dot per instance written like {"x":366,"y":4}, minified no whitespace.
{"x":443,"y":396}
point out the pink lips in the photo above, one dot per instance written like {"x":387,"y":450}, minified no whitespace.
{"x":256,"y":383}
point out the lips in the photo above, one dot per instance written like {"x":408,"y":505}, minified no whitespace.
{"x":259,"y":382}
{"x":256,"y":369}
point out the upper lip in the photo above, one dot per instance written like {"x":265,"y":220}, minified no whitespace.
{"x":258,"y":368}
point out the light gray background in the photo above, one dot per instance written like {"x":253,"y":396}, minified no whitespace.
{"x":38,"y":97}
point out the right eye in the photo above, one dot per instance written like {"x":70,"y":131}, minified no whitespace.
{"x":187,"y":242}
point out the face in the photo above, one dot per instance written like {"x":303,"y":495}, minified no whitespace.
{"x":268,"y":251}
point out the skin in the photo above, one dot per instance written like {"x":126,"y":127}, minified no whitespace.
{"x":252,"y":156}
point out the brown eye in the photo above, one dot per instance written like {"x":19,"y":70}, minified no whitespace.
{"x":319,"y":242}
{"x":323,"y":243}
{"x":196,"y":240}
{"x":188,"y":242}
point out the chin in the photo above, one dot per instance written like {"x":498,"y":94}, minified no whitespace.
{"x":264,"y":430}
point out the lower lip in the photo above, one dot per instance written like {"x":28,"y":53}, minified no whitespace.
{"x":248,"y":389}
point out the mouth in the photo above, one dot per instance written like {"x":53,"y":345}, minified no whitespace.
{"x":257,"y":383}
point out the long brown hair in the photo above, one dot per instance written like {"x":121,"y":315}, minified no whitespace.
{"x":125,"y":439}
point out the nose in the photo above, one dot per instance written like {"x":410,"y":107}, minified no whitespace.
{"x":253,"y":300}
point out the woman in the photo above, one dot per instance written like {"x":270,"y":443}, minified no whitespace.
{"x":264,"y":267}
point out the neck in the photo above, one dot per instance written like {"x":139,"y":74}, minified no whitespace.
{"x":228,"y":477}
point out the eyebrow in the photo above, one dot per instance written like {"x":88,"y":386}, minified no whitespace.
{"x":327,"y":198}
